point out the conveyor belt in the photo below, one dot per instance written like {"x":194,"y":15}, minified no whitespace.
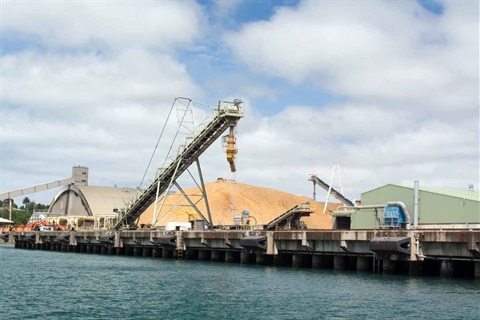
{"x":335,"y":193}
{"x":226,"y":117}
{"x":289,"y":219}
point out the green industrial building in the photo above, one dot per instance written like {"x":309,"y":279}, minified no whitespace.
{"x":437,"y":208}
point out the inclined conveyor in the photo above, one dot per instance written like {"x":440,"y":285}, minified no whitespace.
{"x":291,"y":218}
{"x":227,"y":116}
{"x":338,"y":195}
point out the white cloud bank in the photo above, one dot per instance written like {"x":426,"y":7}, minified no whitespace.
{"x":95,"y":80}
{"x":118,"y":25}
{"x":409,"y":79}
{"x":382,"y":50}
{"x":92,"y":86}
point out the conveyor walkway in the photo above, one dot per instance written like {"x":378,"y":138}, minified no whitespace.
{"x":37,"y":188}
{"x":335,"y":193}
{"x":291,"y":218}
{"x":227,"y":116}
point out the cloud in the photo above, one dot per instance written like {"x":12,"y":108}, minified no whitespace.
{"x":93,"y":88}
{"x":407,"y":86}
{"x":105,"y":112}
{"x":89,"y":81}
{"x":391,"y":52}
{"x":373,"y":148}
{"x":160,"y":24}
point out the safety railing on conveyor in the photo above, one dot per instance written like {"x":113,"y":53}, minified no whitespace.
{"x":227,"y":116}
{"x":333,"y":192}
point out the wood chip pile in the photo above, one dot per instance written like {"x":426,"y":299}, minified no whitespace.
{"x":262,"y":203}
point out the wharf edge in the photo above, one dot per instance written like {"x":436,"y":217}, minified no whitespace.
{"x":420,"y":252}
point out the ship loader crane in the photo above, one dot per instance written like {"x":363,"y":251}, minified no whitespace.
{"x":226,"y":116}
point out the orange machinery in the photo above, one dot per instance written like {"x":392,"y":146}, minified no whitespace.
{"x":31,"y":226}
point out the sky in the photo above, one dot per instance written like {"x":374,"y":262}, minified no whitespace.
{"x":387,"y":90}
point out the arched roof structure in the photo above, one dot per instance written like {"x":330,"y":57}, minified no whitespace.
{"x":75,"y":200}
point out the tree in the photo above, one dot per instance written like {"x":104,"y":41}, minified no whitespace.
{"x":26,"y":201}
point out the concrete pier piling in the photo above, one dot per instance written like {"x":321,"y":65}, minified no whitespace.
{"x":191,"y":254}
{"x":138,"y":251}
{"x":204,"y":255}
{"x":339,"y":262}
{"x":322,"y":261}
{"x":464,"y":269}
{"x":447,"y":269}
{"x":351,"y":263}
{"x":232,"y":256}
{"x":301,"y":260}
{"x":415,"y":268}
{"x":263,"y":259}
{"x":247,"y":258}
{"x":282,"y":260}
{"x":451,"y":253}
{"x":364,"y":264}
{"x":128,"y":251}
{"x":147,"y":252}
{"x":156,"y":252}
{"x":389,"y":266}
{"x":167,"y":253}
{"x":218,"y":256}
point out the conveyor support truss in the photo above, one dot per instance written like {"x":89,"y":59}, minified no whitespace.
{"x":228,"y":114}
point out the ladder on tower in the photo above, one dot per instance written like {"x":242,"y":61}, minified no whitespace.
{"x":228,"y":114}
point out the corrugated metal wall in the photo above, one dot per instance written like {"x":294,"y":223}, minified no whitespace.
{"x":434,"y":208}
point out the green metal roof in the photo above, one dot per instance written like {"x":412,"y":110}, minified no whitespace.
{"x":462,"y":194}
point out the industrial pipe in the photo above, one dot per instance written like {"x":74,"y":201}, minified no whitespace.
{"x":404,"y":208}
{"x":415,"y":204}
{"x":372,"y":206}
{"x":378,"y":206}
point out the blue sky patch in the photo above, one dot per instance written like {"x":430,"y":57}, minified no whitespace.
{"x":433,"y":6}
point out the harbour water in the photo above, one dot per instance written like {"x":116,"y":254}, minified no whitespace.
{"x":54,"y":285}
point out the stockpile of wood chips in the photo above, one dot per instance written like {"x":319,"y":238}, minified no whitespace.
{"x":262,"y":203}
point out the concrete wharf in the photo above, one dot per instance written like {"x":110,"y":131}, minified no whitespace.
{"x":422,"y":252}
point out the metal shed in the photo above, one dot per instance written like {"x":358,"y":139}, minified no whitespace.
{"x":437,"y":208}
